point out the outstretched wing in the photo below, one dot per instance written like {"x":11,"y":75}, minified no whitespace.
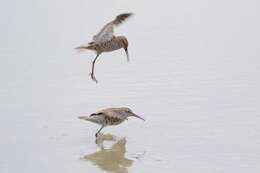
{"x":107,"y":32}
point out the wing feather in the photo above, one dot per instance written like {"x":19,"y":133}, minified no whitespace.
{"x":111,"y":112}
{"x":107,"y":32}
{"x":121,"y":18}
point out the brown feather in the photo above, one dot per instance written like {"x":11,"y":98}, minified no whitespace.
{"x":122,"y":17}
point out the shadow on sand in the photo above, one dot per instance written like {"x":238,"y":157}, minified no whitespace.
{"x":110,"y":159}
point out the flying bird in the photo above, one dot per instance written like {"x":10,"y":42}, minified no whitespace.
{"x":106,"y":41}
{"x":110,"y":117}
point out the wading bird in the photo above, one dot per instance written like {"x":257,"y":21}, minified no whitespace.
{"x":106,"y":41}
{"x":110,"y":117}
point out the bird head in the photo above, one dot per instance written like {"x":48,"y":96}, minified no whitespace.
{"x":124,"y":42}
{"x":129,"y":113}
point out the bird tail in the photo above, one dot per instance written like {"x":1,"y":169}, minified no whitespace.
{"x":97,"y":120}
{"x":83,"y":117}
{"x":89,"y":46}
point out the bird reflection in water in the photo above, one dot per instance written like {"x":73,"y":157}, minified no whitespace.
{"x":110,"y":159}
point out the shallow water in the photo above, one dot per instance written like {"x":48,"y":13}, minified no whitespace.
{"x":193,"y":75}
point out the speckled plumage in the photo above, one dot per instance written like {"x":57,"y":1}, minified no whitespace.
{"x":105,"y":41}
{"x":110,"y":117}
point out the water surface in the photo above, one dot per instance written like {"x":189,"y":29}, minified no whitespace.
{"x":193,"y":75}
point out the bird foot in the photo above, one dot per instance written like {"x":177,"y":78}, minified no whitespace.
{"x":93,"y":77}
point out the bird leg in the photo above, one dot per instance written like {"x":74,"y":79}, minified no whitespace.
{"x":99,"y":131}
{"x":93,"y":68}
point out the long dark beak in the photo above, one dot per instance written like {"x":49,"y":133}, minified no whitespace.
{"x":127,"y":55}
{"x":137,"y":116}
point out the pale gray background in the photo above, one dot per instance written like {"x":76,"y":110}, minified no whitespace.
{"x":193,"y":75}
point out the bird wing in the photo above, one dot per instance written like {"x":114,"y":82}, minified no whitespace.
{"x":111,"y":112}
{"x":107,"y":32}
